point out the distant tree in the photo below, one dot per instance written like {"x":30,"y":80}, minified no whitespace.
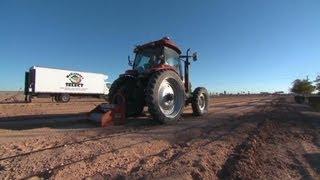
{"x":317,"y":81}
{"x":302,"y":86}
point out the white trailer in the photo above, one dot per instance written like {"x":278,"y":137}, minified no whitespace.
{"x":61,"y":84}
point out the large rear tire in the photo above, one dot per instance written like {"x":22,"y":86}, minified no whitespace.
{"x":127,"y":85}
{"x":165,"y":96}
{"x":116,"y":85}
{"x":200,"y":101}
{"x":134,"y":101}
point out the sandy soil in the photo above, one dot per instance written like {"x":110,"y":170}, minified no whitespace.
{"x":241,"y":137}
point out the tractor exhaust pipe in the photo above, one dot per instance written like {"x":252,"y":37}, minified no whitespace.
{"x":186,"y":72}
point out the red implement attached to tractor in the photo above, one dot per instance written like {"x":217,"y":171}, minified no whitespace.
{"x":107,"y":114}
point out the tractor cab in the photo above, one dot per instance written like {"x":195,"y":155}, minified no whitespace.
{"x":158,"y":54}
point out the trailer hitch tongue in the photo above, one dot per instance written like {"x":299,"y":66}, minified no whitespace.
{"x":107,"y":114}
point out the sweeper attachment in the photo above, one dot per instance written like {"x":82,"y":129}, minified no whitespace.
{"x":157,"y":80}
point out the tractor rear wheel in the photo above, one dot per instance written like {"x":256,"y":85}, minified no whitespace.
{"x":165,"y":96}
{"x":116,"y":85}
{"x":200,"y":101}
{"x":135,"y":102}
{"x":127,"y":85}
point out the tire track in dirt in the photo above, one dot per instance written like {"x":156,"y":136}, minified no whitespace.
{"x":179,"y":150}
{"x":175,"y":153}
{"x":47,"y":171}
{"x":245,"y":151}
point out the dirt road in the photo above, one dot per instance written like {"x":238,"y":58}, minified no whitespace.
{"x":249,"y":138}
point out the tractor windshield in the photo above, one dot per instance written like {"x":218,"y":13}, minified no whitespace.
{"x":145,"y":59}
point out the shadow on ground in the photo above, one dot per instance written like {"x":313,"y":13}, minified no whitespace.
{"x":64,"y":121}
{"x":314,"y":161}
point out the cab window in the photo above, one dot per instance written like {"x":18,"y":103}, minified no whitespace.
{"x":172,"y":59}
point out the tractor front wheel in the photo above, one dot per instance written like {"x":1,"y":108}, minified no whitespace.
{"x":200,"y":101}
{"x":165,"y":96}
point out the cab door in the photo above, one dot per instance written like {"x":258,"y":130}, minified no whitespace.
{"x":172,"y":59}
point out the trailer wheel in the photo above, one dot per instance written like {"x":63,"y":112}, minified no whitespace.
{"x":165,"y":96}
{"x":64,"y":98}
{"x":200,"y":101}
{"x":56,"y":98}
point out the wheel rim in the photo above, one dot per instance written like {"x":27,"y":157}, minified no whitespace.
{"x":202,"y":102}
{"x":170,"y":99}
{"x":64,"y":98}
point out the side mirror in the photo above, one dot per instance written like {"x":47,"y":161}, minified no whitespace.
{"x":130,"y":63}
{"x":195,"y":56}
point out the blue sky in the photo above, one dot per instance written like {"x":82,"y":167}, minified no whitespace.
{"x":243,"y":45}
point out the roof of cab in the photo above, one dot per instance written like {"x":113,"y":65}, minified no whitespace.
{"x":162,"y":42}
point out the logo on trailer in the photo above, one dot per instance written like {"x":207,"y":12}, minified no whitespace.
{"x":75,"y":80}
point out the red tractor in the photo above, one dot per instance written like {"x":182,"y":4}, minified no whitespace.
{"x":158,"y":80}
